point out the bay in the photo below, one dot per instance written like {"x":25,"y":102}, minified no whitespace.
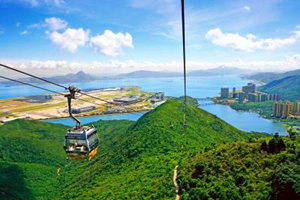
{"x":197,"y":87}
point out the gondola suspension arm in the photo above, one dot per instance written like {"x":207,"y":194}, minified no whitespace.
{"x":71,"y":96}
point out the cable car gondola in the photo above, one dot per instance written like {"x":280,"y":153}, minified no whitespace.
{"x":81,"y":142}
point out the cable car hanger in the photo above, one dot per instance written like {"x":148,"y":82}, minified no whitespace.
{"x":70,"y":96}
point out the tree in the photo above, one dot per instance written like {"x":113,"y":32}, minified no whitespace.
{"x":264,"y":146}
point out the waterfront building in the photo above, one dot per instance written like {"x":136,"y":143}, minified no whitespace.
{"x":252,"y":97}
{"x":224,"y":93}
{"x":250,"y":88}
{"x":241,"y":97}
{"x":282,"y":109}
{"x":159,"y":96}
{"x":296,"y":107}
{"x":126,"y":100}
{"x":83,"y":109}
{"x":234,"y":94}
{"x":275,"y":97}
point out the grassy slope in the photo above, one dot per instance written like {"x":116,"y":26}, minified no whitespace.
{"x":288,"y":88}
{"x":138,"y":163}
{"x":242,"y":171}
{"x":135,"y":160}
{"x":30,"y":153}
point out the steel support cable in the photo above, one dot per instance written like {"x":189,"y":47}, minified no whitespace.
{"x":24,"y":83}
{"x":176,"y":185}
{"x":184,"y":66}
{"x":42,"y":79}
{"x":56,"y":84}
{"x":41,"y":88}
{"x":83,"y":100}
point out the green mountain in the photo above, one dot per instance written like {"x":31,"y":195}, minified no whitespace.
{"x":267,"y":77}
{"x":30,"y":154}
{"x":135,"y":159}
{"x":288,"y":88}
{"x":138,"y":163}
{"x":245,"y":170}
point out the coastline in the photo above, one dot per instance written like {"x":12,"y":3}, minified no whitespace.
{"x":287,"y":123}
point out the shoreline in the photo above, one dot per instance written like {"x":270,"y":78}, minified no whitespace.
{"x":91,"y":115}
{"x":287,"y":123}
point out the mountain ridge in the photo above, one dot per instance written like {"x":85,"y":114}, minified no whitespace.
{"x":288,"y":88}
{"x":85,"y":77}
{"x":267,"y":77}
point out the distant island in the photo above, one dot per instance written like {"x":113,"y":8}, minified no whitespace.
{"x":84,"y":77}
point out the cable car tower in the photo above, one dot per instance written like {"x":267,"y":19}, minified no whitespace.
{"x":81,"y":142}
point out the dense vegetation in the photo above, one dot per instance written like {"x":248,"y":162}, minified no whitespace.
{"x":288,"y":88}
{"x":190,"y":100}
{"x":138,"y":163}
{"x":30,"y":153}
{"x":268,"y":77}
{"x":135,"y":159}
{"x":245,"y":170}
{"x":264,"y":108}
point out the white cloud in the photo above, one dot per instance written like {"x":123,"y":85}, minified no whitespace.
{"x":59,"y":67}
{"x":247,"y":8}
{"x":297,"y":26}
{"x":33,"y":3}
{"x":35,"y":25}
{"x":71,"y":39}
{"x":25,"y":32}
{"x":110,"y":43}
{"x":58,"y":2}
{"x":250,"y":42}
{"x":55,"y":24}
{"x":36,"y":3}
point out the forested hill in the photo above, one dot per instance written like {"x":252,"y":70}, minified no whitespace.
{"x":135,"y":159}
{"x":268,"y":77}
{"x":288,"y":88}
{"x":30,"y":154}
{"x":257,"y":169}
{"x":138,"y":163}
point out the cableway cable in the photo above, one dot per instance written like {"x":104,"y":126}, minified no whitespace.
{"x":56,"y":84}
{"x":184,"y":65}
{"x":41,"y":88}
{"x":42,"y":79}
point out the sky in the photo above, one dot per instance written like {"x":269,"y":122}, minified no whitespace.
{"x":104,"y":37}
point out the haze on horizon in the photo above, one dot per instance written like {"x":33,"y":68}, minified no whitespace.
{"x":52,"y":37}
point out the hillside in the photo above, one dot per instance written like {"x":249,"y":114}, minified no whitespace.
{"x":30,"y":153}
{"x":138,"y":163}
{"x":244,"y":170}
{"x":267,"y":77}
{"x":288,"y":88}
{"x":135,"y":159}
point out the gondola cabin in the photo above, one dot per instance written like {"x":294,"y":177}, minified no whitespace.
{"x":81,"y":143}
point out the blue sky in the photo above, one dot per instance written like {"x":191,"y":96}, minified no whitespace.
{"x":107,"y":37}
